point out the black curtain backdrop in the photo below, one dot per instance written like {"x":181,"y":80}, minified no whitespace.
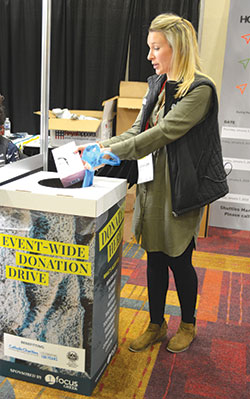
{"x":89,"y":44}
{"x":89,"y":51}
{"x":145,"y":11}
{"x":89,"y":47}
{"x":20,"y":48}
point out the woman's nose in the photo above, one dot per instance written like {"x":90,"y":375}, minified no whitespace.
{"x":149,"y":57}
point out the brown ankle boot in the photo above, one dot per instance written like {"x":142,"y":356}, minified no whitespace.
{"x":183,"y":338}
{"x":153,"y":334}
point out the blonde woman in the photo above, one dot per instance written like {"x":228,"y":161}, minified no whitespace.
{"x":177,"y":129}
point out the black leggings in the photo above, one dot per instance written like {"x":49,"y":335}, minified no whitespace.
{"x":158,"y":280}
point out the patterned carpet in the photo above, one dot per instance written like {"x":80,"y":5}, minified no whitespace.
{"x":217,"y":365}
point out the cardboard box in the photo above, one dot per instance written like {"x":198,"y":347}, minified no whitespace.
{"x":204,"y":222}
{"x":106,"y":128}
{"x":129,"y":104}
{"x":62,"y":131}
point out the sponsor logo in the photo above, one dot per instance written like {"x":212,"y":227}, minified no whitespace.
{"x":50,"y":379}
{"x":73,"y":357}
{"x":22,"y":349}
{"x":66,"y":383}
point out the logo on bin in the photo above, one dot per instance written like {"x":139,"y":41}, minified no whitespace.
{"x":50,"y":379}
{"x":73,"y":357}
{"x":66,"y":383}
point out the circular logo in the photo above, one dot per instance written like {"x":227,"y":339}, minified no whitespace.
{"x":72,"y":356}
{"x":50,"y":379}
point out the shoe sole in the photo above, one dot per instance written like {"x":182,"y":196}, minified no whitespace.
{"x":146,"y":347}
{"x":182,"y":350}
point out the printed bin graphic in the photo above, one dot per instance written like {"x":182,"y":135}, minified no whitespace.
{"x":60,"y":280}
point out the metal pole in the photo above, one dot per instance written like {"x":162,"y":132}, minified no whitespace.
{"x":45,"y":80}
{"x":201,"y":22}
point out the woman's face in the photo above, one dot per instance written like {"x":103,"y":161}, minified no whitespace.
{"x":160,"y":53}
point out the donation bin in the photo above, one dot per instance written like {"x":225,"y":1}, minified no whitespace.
{"x":60,"y":251}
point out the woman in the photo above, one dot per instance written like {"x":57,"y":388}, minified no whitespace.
{"x":178,"y":126}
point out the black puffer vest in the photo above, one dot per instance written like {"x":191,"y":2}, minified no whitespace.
{"x":197,"y":174}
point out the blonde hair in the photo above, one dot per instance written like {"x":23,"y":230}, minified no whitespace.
{"x":181,"y":37}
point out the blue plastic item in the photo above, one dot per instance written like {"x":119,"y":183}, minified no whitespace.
{"x":93,"y":155}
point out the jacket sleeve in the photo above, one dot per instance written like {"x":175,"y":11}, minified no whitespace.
{"x":179,"y":120}
{"x":12,"y":154}
{"x":133,"y":131}
{"x":130,"y":133}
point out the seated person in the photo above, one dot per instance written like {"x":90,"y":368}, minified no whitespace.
{"x":9,"y":152}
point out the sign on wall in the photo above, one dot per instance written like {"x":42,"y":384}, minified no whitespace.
{"x":233,"y":211}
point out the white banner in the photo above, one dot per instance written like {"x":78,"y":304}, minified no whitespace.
{"x":235,"y":90}
{"x":53,"y":355}
{"x":234,"y":119}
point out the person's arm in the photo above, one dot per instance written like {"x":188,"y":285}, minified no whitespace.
{"x":105,"y":144}
{"x":13,"y":153}
{"x":180,"y":119}
{"x":130,"y":133}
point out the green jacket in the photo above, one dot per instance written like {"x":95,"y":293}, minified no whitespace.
{"x":153,"y":222}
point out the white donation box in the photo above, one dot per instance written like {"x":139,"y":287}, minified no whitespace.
{"x":60,"y":272}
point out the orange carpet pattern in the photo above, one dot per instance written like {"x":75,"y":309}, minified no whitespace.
{"x":217,"y":365}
